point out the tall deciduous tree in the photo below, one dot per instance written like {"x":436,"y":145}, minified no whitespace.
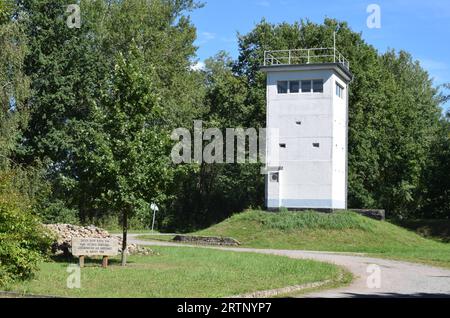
{"x":133,"y":141}
{"x":70,"y":68}
{"x":14,"y":84}
{"x":21,"y":237}
{"x":211,"y":192}
{"x":67,"y":71}
{"x":436,"y":176}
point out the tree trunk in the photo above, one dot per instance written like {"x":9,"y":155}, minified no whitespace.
{"x":124,"y":237}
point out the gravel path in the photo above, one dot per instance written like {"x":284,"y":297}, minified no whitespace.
{"x":397,"y":279}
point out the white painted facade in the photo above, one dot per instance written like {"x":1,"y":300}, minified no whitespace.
{"x":306,"y":150}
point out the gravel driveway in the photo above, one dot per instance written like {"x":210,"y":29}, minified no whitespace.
{"x":373,"y":277}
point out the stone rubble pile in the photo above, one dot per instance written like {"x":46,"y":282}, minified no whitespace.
{"x":64,"y":233}
{"x":207,"y":240}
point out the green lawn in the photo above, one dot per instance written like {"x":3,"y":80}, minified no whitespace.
{"x":181,"y":272}
{"x":340,"y":232}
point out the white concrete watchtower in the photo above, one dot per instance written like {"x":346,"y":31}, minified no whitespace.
{"x":307,"y":122}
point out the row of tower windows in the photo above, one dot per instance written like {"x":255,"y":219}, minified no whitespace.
{"x":305,"y":86}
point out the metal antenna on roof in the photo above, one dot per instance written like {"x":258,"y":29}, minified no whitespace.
{"x":334,"y":45}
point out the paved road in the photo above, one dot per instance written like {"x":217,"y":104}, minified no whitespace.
{"x":398,"y":279}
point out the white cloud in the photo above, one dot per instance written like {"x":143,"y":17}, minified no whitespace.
{"x":199,"y":66}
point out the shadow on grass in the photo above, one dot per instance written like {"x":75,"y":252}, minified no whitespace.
{"x":434,"y":229}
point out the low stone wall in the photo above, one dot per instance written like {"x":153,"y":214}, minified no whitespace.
{"x":206,"y":240}
{"x":379,"y":215}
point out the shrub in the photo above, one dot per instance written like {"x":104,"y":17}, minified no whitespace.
{"x":57,"y":212}
{"x":23,"y":241}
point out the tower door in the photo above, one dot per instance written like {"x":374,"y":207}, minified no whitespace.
{"x":274,"y":191}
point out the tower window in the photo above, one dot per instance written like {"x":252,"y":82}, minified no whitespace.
{"x":316,"y":145}
{"x":282,"y":87}
{"x":294,"y":87}
{"x":318,"y":86}
{"x":306,"y":86}
{"x":282,"y":145}
{"x":339,"y":90}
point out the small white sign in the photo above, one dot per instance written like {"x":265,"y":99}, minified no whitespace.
{"x":94,"y":247}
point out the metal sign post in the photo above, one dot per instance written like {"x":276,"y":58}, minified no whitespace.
{"x":155,"y":209}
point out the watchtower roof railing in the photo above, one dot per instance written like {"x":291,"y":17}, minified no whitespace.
{"x":305,"y":56}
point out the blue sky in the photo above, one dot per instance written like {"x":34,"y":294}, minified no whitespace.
{"x":421,"y":27}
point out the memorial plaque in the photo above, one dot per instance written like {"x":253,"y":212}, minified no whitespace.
{"x":94,"y":247}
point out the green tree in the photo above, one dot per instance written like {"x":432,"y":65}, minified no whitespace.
{"x":14,"y":84}
{"x":134,"y":141}
{"x":69,"y":69}
{"x":66,"y":71}
{"x":209,"y":193}
{"x":436,"y":177}
{"x":410,"y":125}
{"x":22,"y":240}
{"x":6,"y":10}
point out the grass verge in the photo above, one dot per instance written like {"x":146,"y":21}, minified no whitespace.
{"x":181,"y":272}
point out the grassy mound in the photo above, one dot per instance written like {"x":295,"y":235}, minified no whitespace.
{"x":340,"y":232}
